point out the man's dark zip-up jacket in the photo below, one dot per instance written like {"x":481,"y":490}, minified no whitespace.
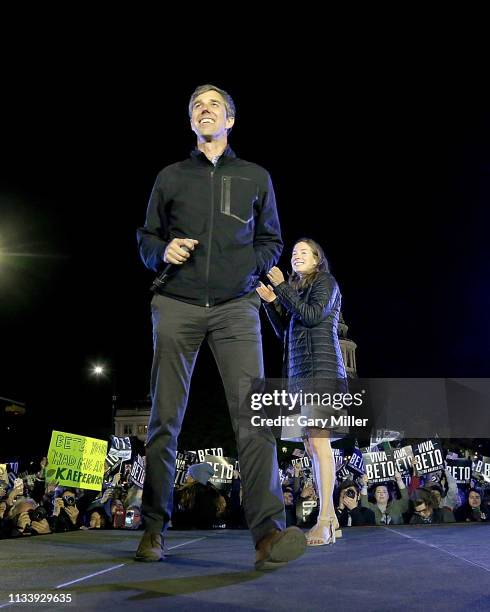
{"x":231,"y":209}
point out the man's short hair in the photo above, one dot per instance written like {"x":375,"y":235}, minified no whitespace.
{"x":229,"y":104}
{"x":424,"y":496}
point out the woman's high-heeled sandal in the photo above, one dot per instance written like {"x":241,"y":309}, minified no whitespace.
{"x":329,"y":533}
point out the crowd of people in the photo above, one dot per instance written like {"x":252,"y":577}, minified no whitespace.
{"x":433,"y":499}
{"x":32,"y":506}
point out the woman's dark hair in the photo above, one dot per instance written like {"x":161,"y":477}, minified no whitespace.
{"x":386,"y":485}
{"x":346,"y":484}
{"x":300,"y":282}
{"x":478,"y":492}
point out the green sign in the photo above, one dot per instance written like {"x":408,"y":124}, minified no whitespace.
{"x":76,"y":461}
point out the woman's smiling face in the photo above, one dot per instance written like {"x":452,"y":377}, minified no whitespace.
{"x":303,"y":260}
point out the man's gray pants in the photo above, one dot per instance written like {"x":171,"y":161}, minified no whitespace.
{"x":232,"y":331}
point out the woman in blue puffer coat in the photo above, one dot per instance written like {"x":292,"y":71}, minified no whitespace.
{"x":305,"y":313}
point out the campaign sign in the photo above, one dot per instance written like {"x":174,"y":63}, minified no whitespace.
{"x":120,"y":447}
{"x":427,"y":457}
{"x":380,"y":465}
{"x":403,"y":459}
{"x":356,"y":462}
{"x":303,"y":462}
{"x":304,"y":509}
{"x":343,"y":474}
{"x":223,"y":470}
{"x":482,"y":469}
{"x":137,"y":476}
{"x":202,"y":452}
{"x":460,"y":470}
{"x":76,"y":461}
{"x":183,"y":460}
{"x":338,"y":455}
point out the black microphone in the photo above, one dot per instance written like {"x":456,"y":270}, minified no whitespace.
{"x":162,"y":278}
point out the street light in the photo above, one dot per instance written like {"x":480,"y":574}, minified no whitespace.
{"x":101,"y":371}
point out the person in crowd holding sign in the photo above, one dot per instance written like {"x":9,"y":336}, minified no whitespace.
{"x":474,"y":509}
{"x":198,"y":503}
{"x":214,"y":218}
{"x":426,"y":510}
{"x":387,"y":510}
{"x":305,"y":313}
{"x":443,"y":484}
{"x":349,"y":511}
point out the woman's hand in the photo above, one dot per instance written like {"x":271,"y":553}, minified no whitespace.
{"x":266,"y":293}
{"x":275,"y":276}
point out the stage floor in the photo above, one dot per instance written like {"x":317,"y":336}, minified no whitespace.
{"x":380,"y":569}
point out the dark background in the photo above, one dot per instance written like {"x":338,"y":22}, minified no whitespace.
{"x":388,"y":169}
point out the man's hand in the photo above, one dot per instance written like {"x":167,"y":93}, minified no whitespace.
{"x":72,"y":512}
{"x":365,"y":480}
{"x":108,"y":493}
{"x":58,"y":504}
{"x":41,"y":527}
{"x":23,"y":520}
{"x":399,"y":480}
{"x":348,"y":502}
{"x":174,"y":254}
{"x":275,"y":276}
{"x":15,"y":492}
{"x":266,"y":293}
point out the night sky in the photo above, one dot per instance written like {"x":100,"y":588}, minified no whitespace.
{"x":389,"y":172}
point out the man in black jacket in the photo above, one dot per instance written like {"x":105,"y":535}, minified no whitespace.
{"x":222,"y":210}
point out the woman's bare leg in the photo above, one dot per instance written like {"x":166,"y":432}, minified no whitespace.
{"x":324,"y":470}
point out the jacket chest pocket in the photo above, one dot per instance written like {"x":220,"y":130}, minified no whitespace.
{"x":238,"y":196}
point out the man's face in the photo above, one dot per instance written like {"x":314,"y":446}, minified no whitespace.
{"x":423,"y":510}
{"x":474,"y":499}
{"x":208,"y":119}
{"x":288,"y":498}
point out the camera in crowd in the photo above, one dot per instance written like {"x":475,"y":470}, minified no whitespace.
{"x":38,"y":514}
{"x":68,"y":500}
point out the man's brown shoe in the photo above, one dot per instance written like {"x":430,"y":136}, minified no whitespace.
{"x":150,"y":548}
{"x":279,"y":547}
